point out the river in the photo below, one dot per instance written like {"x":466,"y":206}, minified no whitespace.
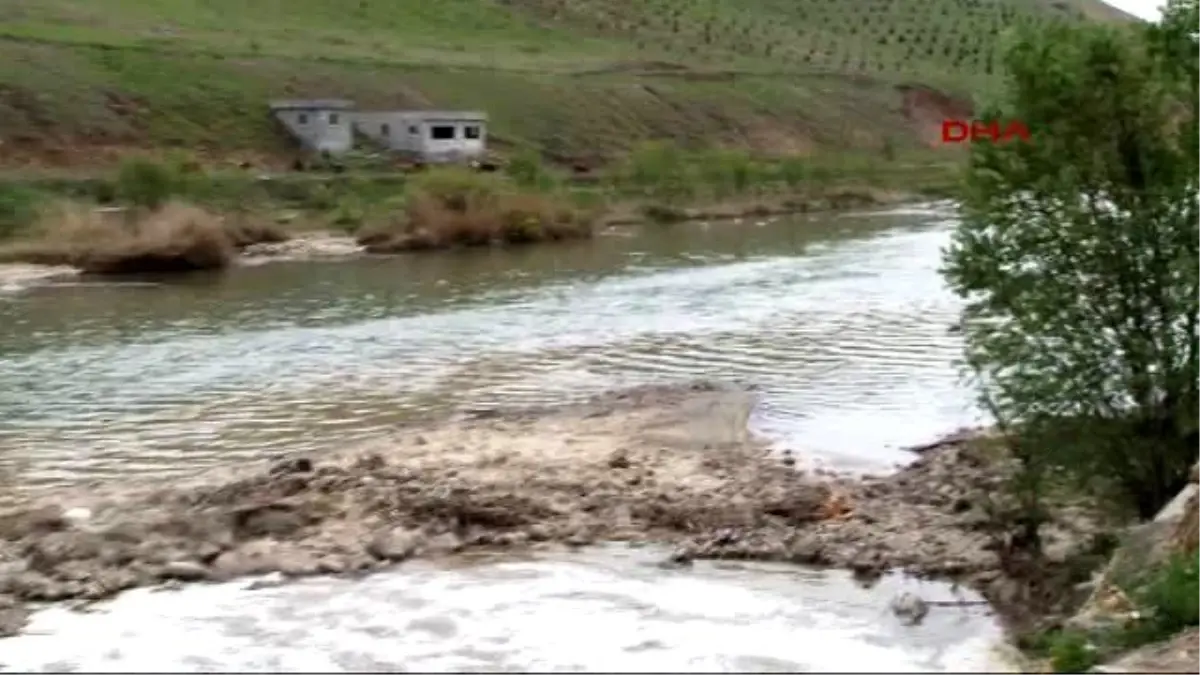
{"x":841,"y":321}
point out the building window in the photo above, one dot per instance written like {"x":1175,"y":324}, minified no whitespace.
{"x":302,"y":119}
{"x":385,"y":129}
{"x":442,"y":132}
{"x":333,"y":119}
{"x":471,"y":131}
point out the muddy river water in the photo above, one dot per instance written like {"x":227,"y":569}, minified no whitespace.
{"x":841,"y":321}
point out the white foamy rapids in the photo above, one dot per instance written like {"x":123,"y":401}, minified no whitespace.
{"x":607,"y":609}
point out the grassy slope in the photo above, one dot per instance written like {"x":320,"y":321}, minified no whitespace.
{"x":81,"y":79}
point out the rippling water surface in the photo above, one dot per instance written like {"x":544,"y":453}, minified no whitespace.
{"x":842,"y":322}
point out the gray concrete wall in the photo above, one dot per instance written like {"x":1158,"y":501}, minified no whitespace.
{"x":413,"y":132}
{"x":393,"y":130}
{"x":456,"y":148}
{"x":319,"y":130}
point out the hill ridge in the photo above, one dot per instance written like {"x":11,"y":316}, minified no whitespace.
{"x":80,"y":82}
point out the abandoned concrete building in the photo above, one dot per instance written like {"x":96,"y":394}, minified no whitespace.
{"x":434,"y":136}
{"x":319,"y":125}
{"x":431,"y":136}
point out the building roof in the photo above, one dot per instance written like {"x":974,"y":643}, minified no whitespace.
{"x":313,"y":104}
{"x":473,"y":115}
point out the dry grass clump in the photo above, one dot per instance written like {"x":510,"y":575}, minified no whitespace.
{"x":447,"y":208}
{"x":175,"y":238}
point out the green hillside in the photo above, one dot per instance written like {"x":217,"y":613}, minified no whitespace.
{"x":82,"y":80}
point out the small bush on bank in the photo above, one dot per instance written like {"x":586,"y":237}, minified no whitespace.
{"x":1170,"y":597}
{"x":1071,"y":652}
{"x":527,"y":171}
{"x":18,"y":209}
{"x":660,"y":170}
{"x":728,"y":172}
{"x":348,"y":216}
{"x":454,"y":207}
{"x":144,"y":183}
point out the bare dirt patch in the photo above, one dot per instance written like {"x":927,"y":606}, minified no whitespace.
{"x":926,"y":108}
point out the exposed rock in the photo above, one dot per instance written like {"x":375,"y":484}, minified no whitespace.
{"x":255,"y":557}
{"x":267,"y":520}
{"x":40,"y":520}
{"x":294,"y":465}
{"x":957,"y":438}
{"x":54,"y":548}
{"x":1177,"y":654}
{"x":1187,"y":533}
{"x":35,"y":586}
{"x":300,"y":563}
{"x":447,"y":542}
{"x":680,"y":558}
{"x":394,"y":545}
{"x":184,"y":570}
{"x":13,"y":615}
{"x":1177,"y":507}
{"x":619,"y":460}
{"x":909,"y":608}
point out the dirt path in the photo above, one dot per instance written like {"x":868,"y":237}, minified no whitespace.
{"x":664,"y":464}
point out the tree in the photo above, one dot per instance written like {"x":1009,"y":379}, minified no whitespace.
{"x":1077,"y":253}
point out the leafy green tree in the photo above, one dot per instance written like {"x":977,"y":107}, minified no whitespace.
{"x":1077,"y":253}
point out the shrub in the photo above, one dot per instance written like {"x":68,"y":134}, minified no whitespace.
{"x":527,"y":171}
{"x":659,"y":169}
{"x":348,"y":215}
{"x":453,"y":207}
{"x":1071,"y":652}
{"x":18,"y":209}
{"x":1170,"y":596}
{"x":794,"y":172}
{"x":727,"y":171}
{"x":144,"y":183}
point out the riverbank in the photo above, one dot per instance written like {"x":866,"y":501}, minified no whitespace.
{"x":101,"y":243}
{"x":653,"y":464}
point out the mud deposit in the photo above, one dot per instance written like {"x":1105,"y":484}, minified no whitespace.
{"x":671,"y":465}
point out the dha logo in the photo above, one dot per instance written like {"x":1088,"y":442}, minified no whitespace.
{"x":975,"y":131}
